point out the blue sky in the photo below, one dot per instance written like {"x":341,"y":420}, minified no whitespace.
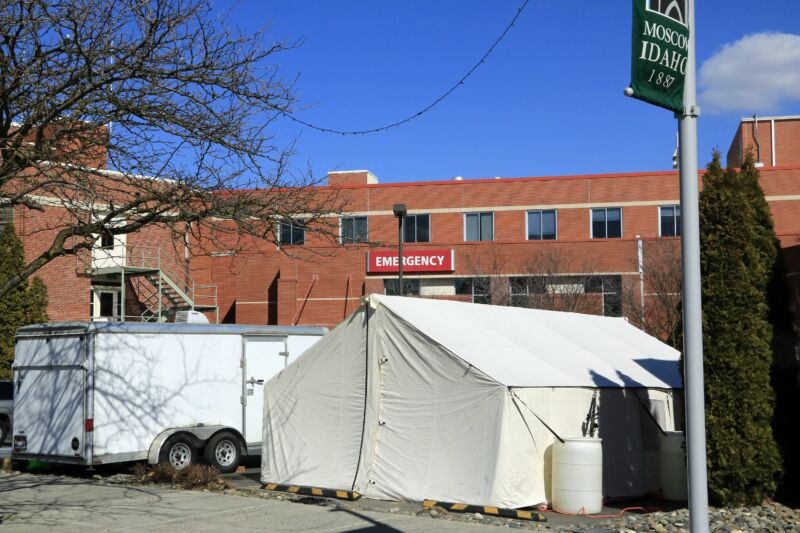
{"x":547,"y":102}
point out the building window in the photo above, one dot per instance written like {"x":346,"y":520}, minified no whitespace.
{"x":410,"y":287}
{"x":6,"y":216}
{"x":670,"y":217}
{"x":105,"y":304}
{"x":541,"y":225}
{"x":354,"y":229}
{"x":520,"y":291}
{"x":606,"y":223}
{"x":106,"y":240}
{"x":610,"y":289}
{"x":417,"y":228}
{"x":479,"y":226}
{"x":476,"y":288}
{"x":292,"y":233}
{"x":547,"y":291}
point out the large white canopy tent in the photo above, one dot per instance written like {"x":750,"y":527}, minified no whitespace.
{"x":414,"y":398}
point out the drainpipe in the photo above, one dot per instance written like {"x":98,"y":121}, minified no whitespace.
{"x":772,"y":136}
{"x":759,"y":164}
{"x":640,"y":257}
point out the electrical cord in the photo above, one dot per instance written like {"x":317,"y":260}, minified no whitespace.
{"x":430,"y":106}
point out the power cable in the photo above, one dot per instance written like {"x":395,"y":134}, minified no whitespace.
{"x":430,"y":106}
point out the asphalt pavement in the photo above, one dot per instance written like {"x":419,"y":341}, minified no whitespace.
{"x":32,"y":503}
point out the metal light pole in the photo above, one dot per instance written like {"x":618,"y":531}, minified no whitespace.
{"x":400,"y":212}
{"x":692,"y":305}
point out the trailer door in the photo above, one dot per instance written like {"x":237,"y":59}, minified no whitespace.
{"x":265,"y":356}
{"x":50,"y":396}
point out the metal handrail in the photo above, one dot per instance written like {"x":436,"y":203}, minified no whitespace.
{"x":154,"y":258}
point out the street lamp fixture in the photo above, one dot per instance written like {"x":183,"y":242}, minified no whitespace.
{"x":400,"y":212}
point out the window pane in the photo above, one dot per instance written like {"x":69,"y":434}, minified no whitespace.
{"x":598,"y":226}
{"x":361,"y":234}
{"x":534,"y":225}
{"x":472,"y":227}
{"x":463,"y":286}
{"x":518,"y":285}
{"x":282,"y":231}
{"x":106,"y":240}
{"x":487,"y":227}
{"x":613,"y":223}
{"x":347,"y":230}
{"x":612,"y":305}
{"x":677,"y":220}
{"x":106,"y":304}
{"x":298,"y":233}
{"x":423,"y":228}
{"x":480,"y":286}
{"x":410,"y":287}
{"x":548,"y":225}
{"x":594,"y":284}
{"x":667,"y":222}
{"x":410,"y":229}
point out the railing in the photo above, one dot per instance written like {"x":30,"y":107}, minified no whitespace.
{"x":151,"y":258}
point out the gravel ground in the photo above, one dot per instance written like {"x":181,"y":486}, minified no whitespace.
{"x":770,"y":517}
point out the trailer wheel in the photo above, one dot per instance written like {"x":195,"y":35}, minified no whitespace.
{"x":178,"y":452}
{"x":5,"y":428}
{"x":223,"y":452}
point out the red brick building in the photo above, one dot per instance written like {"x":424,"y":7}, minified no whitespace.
{"x":512,"y":240}
{"x":591,"y":243}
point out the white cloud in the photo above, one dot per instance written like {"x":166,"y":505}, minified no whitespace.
{"x":755,"y":74}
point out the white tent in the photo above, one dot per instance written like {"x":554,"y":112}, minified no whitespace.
{"x":414,"y":398}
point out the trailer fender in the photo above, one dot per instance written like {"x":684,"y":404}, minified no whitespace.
{"x":200,"y":434}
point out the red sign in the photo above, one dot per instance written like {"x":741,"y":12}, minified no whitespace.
{"x":380,"y":261}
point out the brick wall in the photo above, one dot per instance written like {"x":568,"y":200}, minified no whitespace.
{"x":321,"y":282}
{"x":786,"y":147}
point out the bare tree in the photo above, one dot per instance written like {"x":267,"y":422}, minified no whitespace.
{"x":556,"y":279}
{"x":485,"y":264}
{"x":658,"y":312}
{"x":129,"y":113}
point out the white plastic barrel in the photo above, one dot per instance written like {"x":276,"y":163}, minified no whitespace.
{"x":672,"y":466}
{"x":578,"y":475}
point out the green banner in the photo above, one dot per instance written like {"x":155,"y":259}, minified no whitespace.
{"x":659,"y":52}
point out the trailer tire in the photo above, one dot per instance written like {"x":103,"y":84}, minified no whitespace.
{"x":179,"y":452}
{"x":223,"y":451}
{"x":5,"y":428}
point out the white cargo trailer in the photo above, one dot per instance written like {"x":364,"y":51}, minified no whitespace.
{"x":95,"y":393}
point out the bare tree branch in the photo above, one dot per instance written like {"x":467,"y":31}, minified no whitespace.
{"x":130,"y":113}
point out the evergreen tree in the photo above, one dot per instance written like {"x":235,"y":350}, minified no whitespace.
{"x":784,"y":363}
{"x":738,"y":254}
{"x":25,"y":304}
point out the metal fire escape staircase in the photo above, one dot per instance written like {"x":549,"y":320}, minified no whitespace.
{"x":162,"y":285}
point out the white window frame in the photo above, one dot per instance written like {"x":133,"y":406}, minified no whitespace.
{"x":555,"y":212}
{"x":677,"y":226}
{"x":621,"y":223}
{"x":464,"y":219}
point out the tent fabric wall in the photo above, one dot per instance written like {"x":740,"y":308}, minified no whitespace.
{"x":314,"y":412}
{"x":440,"y":421}
{"x":411,"y":399}
{"x":630,"y":436}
